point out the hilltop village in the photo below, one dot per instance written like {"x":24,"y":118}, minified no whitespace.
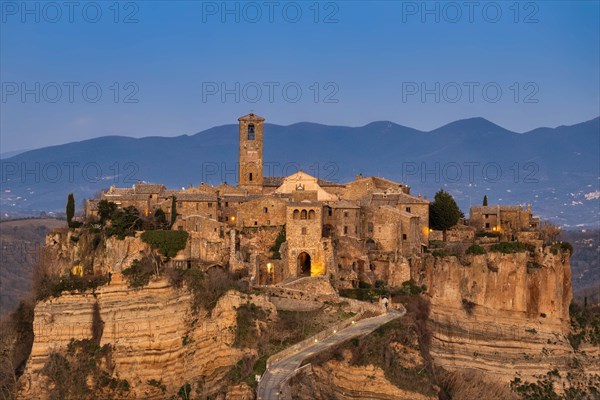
{"x":366,"y":230}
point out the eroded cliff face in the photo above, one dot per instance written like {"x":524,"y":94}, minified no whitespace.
{"x":338,"y":380}
{"x":153,"y":333}
{"x":499,"y":313}
{"x":66,"y":248}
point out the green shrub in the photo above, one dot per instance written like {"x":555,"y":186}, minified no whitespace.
{"x":512,"y":247}
{"x":125,"y":222}
{"x":440,"y":253}
{"x":278,"y":242}
{"x":140,"y":272}
{"x":476,"y":250}
{"x":364,"y":285}
{"x":158,"y":384}
{"x":54,"y":286}
{"x":168,"y":243}
{"x":468,"y":306}
{"x":561,"y":247}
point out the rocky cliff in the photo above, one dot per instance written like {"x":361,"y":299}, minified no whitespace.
{"x":499,"y":313}
{"x":153,"y":333}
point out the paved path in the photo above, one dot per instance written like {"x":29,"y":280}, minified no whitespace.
{"x":270,"y":384}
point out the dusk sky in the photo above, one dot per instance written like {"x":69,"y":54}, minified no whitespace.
{"x":162,"y":66}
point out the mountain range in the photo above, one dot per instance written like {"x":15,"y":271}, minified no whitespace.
{"x":555,"y":169}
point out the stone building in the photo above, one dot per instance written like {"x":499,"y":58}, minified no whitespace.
{"x":367,"y":229}
{"x":506,"y":220}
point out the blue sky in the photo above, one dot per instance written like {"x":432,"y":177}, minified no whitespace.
{"x":354,"y":63}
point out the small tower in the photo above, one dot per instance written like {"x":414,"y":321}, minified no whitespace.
{"x":250,"y":161}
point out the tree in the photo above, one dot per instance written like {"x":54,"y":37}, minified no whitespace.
{"x":485,"y":203}
{"x":173,"y":210}
{"x":124,"y":222}
{"x":160,"y":219}
{"x":70,"y":209}
{"x":443,"y":212}
{"x":105,"y":210}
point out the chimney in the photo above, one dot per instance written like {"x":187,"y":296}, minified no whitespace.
{"x":358,"y":177}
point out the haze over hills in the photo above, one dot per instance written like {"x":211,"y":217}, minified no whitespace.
{"x":556,"y":169}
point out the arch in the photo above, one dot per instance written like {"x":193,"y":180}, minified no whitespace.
{"x":303,"y":214}
{"x":311,"y":214}
{"x":296,"y":214}
{"x":371,"y":245}
{"x":303,"y":264}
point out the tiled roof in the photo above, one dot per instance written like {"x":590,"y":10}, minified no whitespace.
{"x":251,"y":117}
{"x":148,"y":188}
{"x":397,"y":198}
{"x":273,"y":181}
{"x":181,"y":196}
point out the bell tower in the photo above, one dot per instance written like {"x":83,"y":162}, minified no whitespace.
{"x":250,"y":159}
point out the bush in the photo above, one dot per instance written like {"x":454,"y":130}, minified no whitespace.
{"x":468,"y":306}
{"x":561,"y":247}
{"x":140,"y":272}
{"x":476,"y":250}
{"x":278,"y":242}
{"x":168,"y":243}
{"x":124,"y":222}
{"x":512,"y":247}
{"x":54,"y":286}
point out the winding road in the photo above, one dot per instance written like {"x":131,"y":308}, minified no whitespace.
{"x":280,"y":371}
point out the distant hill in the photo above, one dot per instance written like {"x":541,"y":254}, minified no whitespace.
{"x":556,"y":169}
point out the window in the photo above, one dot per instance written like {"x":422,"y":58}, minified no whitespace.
{"x":303,"y":214}
{"x":345,"y":230}
{"x":179,"y":204}
{"x":345,"y":214}
{"x":407,"y":209}
{"x":250,"y":177}
{"x":268,"y":222}
{"x":485,"y":216}
{"x":255,"y":223}
{"x":370,"y":227}
{"x":197,"y":206}
{"x":209,"y":204}
{"x":487,"y":225}
{"x":226,"y":204}
{"x":304,"y":231}
{"x":329,"y":211}
{"x":311,"y":214}
{"x":404,"y":237}
{"x":265,"y":210}
{"x":296,"y":214}
{"x":196,"y":227}
{"x":251,"y":132}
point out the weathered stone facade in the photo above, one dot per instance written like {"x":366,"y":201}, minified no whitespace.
{"x":384,"y":225}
